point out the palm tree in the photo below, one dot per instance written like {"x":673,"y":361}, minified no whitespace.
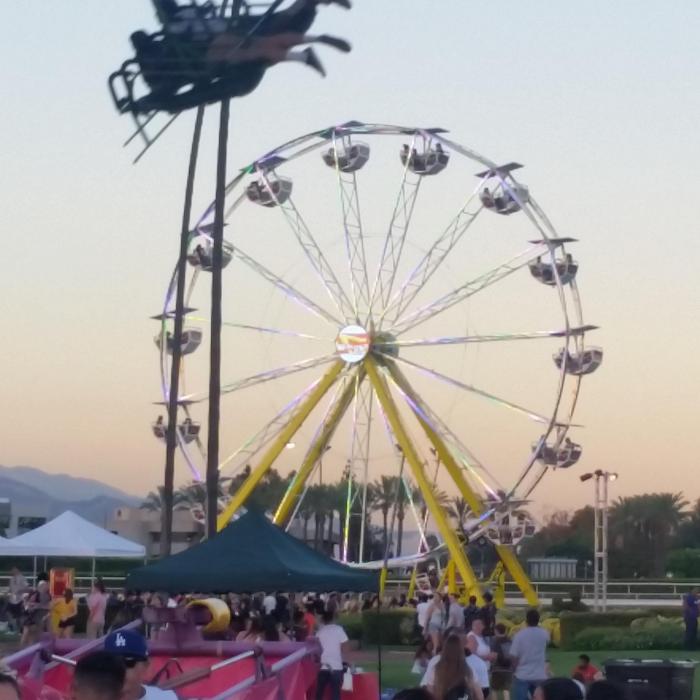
{"x":459,"y":510}
{"x":384,"y":492}
{"x":644,"y":525}
{"x":155,"y":499}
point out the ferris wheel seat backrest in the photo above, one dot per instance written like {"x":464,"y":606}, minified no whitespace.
{"x":585,"y":362}
{"x":270,"y":190}
{"x":347,"y":160}
{"x":431,"y":161}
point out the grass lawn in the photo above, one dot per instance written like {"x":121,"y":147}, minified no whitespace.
{"x":396,"y":663}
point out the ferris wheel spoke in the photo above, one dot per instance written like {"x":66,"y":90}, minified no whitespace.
{"x":396,"y":235}
{"x":469,"y":288}
{"x":337,"y":406}
{"x":404,"y":484}
{"x":287,"y":288}
{"x":311,"y":250}
{"x":267,"y":376}
{"x":533,"y":415}
{"x":354,"y":239}
{"x":433,"y":258}
{"x":426,"y":415}
{"x":267,"y":433}
{"x":264,"y":329}
{"x":358,"y":464}
{"x":492,"y":338}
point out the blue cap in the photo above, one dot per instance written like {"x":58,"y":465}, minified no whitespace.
{"x":127,"y":643}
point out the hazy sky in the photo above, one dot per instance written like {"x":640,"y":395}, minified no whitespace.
{"x":599,"y":100}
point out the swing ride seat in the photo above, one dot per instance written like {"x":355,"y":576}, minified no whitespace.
{"x":429,"y":162}
{"x":579,"y":363}
{"x":347,"y":160}
{"x":543,"y":271}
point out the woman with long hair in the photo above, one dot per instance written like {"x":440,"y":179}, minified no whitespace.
{"x":453,"y":678}
{"x":435,"y":616}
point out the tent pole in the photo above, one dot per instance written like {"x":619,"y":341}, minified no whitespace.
{"x":92,"y":580}
{"x":34,"y":574}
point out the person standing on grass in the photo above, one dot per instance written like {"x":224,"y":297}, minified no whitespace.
{"x":332,"y":639}
{"x":529,"y":654}
{"x":455,"y":613}
{"x":690,"y":618}
{"x":17,"y":586}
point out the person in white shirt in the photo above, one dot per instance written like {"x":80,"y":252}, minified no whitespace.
{"x":481,"y":651}
{"x":422,"y":611}
{"x":455,"y":613}
{"x":269,"y":604}
{"x":18,"y":586}
{"x":332,"y":639}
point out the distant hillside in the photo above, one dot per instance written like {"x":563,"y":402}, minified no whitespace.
{"x":49,"y":495}
{"x":63,"y":486}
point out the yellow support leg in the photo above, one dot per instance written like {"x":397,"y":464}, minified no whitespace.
{"x":412,"y":583}
{"x":506,"y":554}
{"x":448,"y":534}
{"x":287,"y":433}
{"x":284,"y":509}
{"x":451,"y":577}
{"x":511,"y":562}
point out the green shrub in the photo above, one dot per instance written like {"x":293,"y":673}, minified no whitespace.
{"x":665,"y":635}
{"x":352,"y":624}
{"x":389,"y":626}
{"x":574,"y":622}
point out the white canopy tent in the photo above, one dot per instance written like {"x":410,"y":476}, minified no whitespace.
{"x":69,"y":535}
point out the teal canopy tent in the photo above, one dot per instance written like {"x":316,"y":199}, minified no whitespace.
{"x":251,"y":554}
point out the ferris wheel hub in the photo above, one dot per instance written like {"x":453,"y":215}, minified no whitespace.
{"x":352,"y":344}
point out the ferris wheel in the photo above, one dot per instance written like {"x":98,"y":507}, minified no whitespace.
{"x":403,"y":299}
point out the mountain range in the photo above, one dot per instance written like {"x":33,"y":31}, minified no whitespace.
{"x":33,"y":491}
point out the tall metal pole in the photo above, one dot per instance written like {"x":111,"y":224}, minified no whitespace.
{"x":166,"y":530}
{"x":604,"y":544}
{"x":597,"y":523}
{"x":212,"y":477}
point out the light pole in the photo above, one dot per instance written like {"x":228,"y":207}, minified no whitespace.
{"x":600,"y":536}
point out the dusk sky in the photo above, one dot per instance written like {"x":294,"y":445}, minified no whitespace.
{"x":599,"y":100}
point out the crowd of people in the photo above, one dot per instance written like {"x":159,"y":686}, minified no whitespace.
{"x":31,"y":610}
{"x":464,"y":653}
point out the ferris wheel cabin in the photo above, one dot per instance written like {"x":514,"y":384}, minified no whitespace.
{"x":190,"y":341}
{"x":580,"y":363}
{"x":499,"y":196}
{"x":188,"y":429}
{"x":543,"y":271}
{"x":348,"y":158}
{"x":201,"y":254}
{"x":561,"y":456}
{"x":270,"y":190}
{"x":428,"y":161}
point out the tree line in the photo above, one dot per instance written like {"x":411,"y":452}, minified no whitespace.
{"x":322,"y":511}
{"x":650,"y":535}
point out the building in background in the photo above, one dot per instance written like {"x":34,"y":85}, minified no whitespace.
{"x":552,"y":569}
{"x":143,"y":526}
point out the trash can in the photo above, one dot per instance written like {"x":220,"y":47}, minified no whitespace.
{"x":682,"y":676}
{"x":673,"y":679}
